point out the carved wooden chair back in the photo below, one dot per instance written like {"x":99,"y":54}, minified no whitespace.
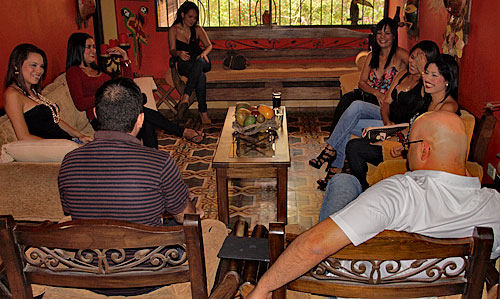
{"x":102,"y":254}
{"x":399,"y":265}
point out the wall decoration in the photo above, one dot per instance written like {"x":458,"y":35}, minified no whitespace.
{"x":86,"y":9}
{"x":411,"y":8}
{"x":135,"y":25}
{"x":455,"y":35}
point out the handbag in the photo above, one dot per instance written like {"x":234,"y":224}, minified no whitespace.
{"x":235,"y":61}
{"x":374,"y":134}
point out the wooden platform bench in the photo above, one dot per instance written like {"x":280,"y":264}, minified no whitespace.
{"x":304,"y":64}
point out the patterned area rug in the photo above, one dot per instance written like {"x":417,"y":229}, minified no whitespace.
{"x":255,"y":199}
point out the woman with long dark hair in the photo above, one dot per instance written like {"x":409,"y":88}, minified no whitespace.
{"x":440,"y":87}
{"x":84,"y":78}
{"x":32,"y":115}
{"x":402,"y":101}
{"x":184,"y":38}
{"x":381,"y":66}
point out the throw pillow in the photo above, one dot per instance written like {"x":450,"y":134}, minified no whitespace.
{"x":45,"y":150}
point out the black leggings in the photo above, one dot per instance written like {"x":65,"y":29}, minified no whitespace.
{"x":346,"y":101}
{"x":359,"y":152}
{"x":197,"y":80}
{"x":154,"y":119}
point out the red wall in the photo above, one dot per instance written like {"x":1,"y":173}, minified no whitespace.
{"x":44,"y":23}
{"x":479,"y":67}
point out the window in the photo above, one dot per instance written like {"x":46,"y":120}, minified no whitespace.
{"x":250,"y":13}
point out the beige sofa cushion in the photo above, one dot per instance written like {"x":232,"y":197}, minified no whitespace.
{"x":39,"y":203}
{"x":45,"y":150}
{"x":58,"y":92}
{"x":7,"y":133}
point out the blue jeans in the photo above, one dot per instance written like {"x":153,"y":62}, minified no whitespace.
{"x":359,"y":115}
{"x":340,"y":191}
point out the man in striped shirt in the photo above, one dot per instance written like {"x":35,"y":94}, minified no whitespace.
{"x":114,"y":176}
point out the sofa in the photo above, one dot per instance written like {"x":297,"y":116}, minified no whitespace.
{"x":28,"y":189}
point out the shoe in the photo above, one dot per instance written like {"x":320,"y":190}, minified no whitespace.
{"x":322,"y":183}
{"x":181,"y":110}
{"x":198,"y":138}
{"x":324,"y":157}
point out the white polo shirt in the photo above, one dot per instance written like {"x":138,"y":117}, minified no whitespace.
{"x":432,"y":203}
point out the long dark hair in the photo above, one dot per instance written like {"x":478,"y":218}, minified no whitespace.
{"x":448,"y":68}
{"x":430,"y":49}
{"x":376,"y":49}
{"x":76,"y":47}
{"x":183,"y":9}
{"x":14,"y":69}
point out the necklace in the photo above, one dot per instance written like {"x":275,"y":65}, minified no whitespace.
{"x":40,"y":99}
{"x":410,"y":83}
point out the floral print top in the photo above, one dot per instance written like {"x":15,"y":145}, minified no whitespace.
{"x":383,"y":83}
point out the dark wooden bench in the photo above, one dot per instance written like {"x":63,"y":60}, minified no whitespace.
{"x":302,"y":63}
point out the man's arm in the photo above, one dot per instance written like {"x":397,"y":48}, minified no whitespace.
{"x":189,"y":209}
{"x":303,"y":254}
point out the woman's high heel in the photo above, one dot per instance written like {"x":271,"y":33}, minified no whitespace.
{"x":322,"y":183}
{"x":324,"y":157}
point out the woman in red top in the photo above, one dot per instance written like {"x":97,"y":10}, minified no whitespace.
{"x":85,"y":77}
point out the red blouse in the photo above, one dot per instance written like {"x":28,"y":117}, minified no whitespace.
{"x":83,"y":87}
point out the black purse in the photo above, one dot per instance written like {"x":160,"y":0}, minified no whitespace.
{"x":235,"y":61}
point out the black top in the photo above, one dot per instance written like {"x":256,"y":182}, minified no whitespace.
{"x":193,"y":48}
{"x":405,"y":104}
{"x":41,"y":123}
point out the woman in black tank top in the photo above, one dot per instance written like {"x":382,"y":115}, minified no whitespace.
{"x":184,"y":39}
{"x":31,"y":114}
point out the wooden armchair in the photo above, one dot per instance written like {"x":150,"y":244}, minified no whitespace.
{"x":416,"y":265}
{"x":103,"y":254}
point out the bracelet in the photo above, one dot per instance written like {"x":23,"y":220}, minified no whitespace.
{"x":127,"y":63}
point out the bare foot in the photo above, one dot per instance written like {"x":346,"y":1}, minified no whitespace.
{"x":205,"y":119}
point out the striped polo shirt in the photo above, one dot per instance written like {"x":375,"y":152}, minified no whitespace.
{"x":115,"y":177}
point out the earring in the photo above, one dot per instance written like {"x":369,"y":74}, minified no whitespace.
{"x":16,"y":72}
{"x":446,"y":84}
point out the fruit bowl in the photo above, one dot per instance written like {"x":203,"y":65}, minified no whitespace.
{"x":250,"y":120}
{"x":270,"y":124}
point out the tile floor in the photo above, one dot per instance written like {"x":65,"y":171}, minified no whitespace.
{"x":255,"y":200}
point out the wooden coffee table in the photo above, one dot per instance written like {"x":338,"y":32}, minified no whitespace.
{"x":229,"y":165}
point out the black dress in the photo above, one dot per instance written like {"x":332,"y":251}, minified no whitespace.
{"x":359,"y":152}
{"x":41,"y":123}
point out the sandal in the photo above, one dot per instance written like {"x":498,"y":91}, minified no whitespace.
{"x":198,"y":138}
{"x":324,"y":157}
{"x":322,"y":183}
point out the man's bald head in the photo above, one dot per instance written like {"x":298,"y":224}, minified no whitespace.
{"x":444,"y":145}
